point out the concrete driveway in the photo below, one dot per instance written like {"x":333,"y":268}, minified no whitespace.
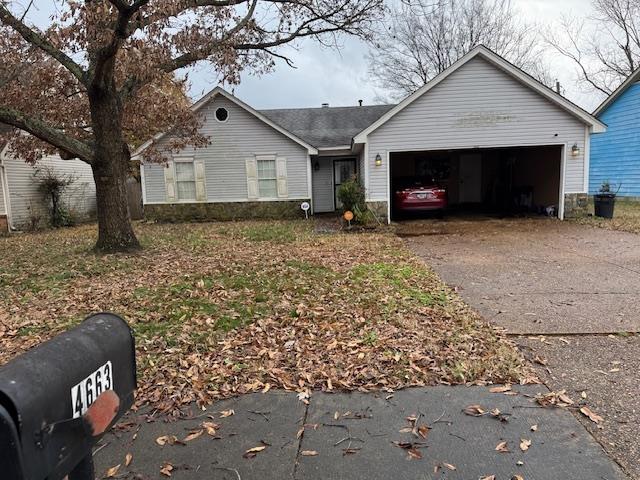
{"x":567,"y":294}
{"x":537,"y":276}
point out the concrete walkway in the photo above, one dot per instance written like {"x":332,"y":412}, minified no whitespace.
{"x":353,"y":436}
{"x":569,"y":295}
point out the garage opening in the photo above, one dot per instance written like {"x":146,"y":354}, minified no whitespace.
{"x":496,"y":181}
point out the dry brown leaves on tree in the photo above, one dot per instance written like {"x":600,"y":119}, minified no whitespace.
{"x":223,"y":309}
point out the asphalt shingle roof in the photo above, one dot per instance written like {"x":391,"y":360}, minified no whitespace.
{"x":326,"y":126}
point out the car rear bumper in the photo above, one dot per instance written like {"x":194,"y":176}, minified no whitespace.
{"x":422,"y":205}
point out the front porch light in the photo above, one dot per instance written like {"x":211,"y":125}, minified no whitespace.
{"x":575,"y":150}
{"x":378,"y":160}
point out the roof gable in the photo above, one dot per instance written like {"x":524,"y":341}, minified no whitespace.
{"x":209,"y":97}
{"x":501,"y":64}
{"x":631,"y":79}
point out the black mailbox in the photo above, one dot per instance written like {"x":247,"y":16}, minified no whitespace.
{"x":45,"y":394}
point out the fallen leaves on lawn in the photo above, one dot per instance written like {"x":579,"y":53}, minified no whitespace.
{"x":594,"y":417}
{"x":227,"y":413}
{"x":517,"y":477}
{"x":627,"y":219}
{"x":222,"y":309}
{"x":127,"y":459}
{"x":449,"y":466}
{"x":309,"y":453}
{"x":524,"y":444}
{"x":488,"y":477}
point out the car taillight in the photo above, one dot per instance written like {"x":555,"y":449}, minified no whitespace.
{"x":440,"y":192}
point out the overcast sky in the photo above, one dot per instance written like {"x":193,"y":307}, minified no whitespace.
{"x":340,"y":77}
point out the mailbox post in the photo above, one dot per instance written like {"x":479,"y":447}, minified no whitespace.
{"x":57,"y":400}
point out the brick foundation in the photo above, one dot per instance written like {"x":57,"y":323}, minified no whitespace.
{"x":379,"y":209}
{"x":576,"y":205}
{"x":202,"y":212}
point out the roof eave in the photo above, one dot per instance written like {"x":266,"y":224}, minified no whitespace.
{"x":624,"y":86}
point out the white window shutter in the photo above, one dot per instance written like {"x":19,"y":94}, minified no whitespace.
{"x":170,"y":181}
{"x":252,"y":178}
{"x":201,"y":188}
{"x":281,"y":172}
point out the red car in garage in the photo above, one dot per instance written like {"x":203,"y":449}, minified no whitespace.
{"x":419,"y":197}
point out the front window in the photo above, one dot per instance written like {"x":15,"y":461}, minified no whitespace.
{"x":185,"y":180}
{"x":267,"y":179}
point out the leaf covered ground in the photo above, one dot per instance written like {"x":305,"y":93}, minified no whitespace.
{"x":626,"y":217}
{"x":220,"y":309}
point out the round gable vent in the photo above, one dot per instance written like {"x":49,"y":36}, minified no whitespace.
{"x":222,"y":114}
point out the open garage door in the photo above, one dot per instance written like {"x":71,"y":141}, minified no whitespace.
{"x":499,"y":181}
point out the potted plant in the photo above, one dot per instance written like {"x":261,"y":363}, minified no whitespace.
{"x":604,"y":201}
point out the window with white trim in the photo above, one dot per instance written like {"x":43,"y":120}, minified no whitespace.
{"x":185,"y":179}
{"x":267,"y":178}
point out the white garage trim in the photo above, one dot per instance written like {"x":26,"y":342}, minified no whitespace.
{"x":563,"y":170}
{"x":587,"y":158}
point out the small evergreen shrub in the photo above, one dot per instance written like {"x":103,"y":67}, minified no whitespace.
{"x":351,"y":195}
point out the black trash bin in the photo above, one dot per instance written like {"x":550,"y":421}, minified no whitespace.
{"x":604,"y":204}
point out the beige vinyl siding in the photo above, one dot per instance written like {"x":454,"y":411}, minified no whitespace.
{"x":243,"y":135}
{"x":477,"y":106}
{"x":26,"y":200}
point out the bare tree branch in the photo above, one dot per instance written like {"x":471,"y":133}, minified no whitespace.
{"x":428,"y":36}
{"x":605,"y":48}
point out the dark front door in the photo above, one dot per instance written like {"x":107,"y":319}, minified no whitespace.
{"x":343,"y":170}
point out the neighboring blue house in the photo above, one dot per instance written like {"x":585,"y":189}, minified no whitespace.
{"x":615,"y":154}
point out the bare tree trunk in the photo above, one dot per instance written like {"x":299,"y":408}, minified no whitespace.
{"x":111,"y":166}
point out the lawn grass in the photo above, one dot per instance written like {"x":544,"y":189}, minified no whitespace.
{"x":220,"y":309}
{"x":626,"y":217}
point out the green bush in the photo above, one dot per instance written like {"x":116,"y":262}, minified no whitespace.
{"x":351,"y":195}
